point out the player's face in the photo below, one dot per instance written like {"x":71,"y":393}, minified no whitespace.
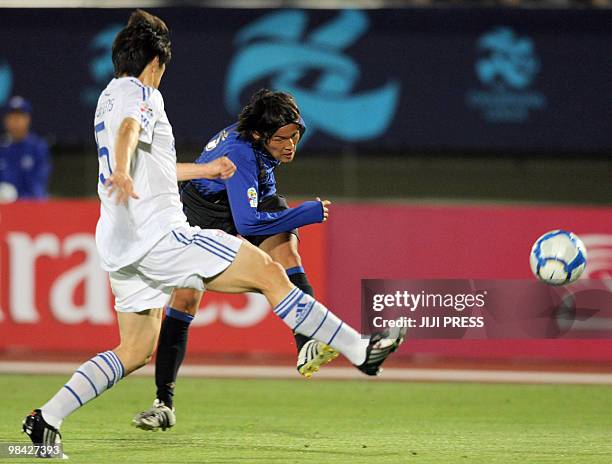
{"x":283,"y":144}
{"x":17,"y":124}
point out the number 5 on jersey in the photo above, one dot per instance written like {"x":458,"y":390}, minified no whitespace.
{"x":104,"y":169}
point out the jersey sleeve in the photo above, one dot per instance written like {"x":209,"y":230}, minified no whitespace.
{"x":243,"y":195}
{"x":145,"y":105}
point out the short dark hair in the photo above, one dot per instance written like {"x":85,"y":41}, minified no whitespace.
{"x":266,"y":113}
{"x":145,"y":37}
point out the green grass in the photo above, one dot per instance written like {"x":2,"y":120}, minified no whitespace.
{"x":274,"y":421}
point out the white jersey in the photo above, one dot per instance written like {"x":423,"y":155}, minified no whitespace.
{"x":124,"y":234}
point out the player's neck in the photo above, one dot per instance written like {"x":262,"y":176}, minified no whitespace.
{"x":144,"y":77}
{"x":151,"y":75}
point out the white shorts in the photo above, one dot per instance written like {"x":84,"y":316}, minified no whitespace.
{"x":181,"y":259}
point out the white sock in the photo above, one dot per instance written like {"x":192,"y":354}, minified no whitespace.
{"x":91,"y":379}
{"x":306,"y":316}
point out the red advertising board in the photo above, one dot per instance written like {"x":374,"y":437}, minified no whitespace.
{"x":378,"y":241}
{"x":54,"y":296}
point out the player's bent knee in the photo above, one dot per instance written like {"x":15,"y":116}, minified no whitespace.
{"x":292,"y":258}
{"x":272,"y":274}
{"x":286,"y":254}
{"x":186,"y":300}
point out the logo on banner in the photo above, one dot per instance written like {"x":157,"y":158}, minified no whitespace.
{"x":27,"y":285}
{"x":101,"y":65}
{"x":6,"y":82}
{"x":277,"y":50}
{"x":507,"y":67}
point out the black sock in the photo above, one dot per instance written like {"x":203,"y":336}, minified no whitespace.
{"x":298,"y":278}
{"x":171,"y":350}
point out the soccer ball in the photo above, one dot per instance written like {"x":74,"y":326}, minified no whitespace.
{"x":558,"y":257}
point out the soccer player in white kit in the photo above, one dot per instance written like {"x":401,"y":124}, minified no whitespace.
{"x":150,"y":251}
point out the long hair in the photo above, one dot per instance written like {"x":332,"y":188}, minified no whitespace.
{"x":266,"y":113}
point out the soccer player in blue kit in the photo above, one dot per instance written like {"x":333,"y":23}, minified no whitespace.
{"x":266,"y":134}
{"x":24,"y":156}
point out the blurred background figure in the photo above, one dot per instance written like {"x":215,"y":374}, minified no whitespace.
{"x":24,"y":156}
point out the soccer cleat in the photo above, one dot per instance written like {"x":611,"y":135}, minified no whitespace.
{"x":380,"y":347}
{"x":158,"y":416}
{"x":42,"y":434}
{"x":313,"y":355}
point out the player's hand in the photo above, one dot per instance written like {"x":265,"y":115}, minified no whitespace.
{"x":325,"y":204}
{"x":221,"y":168}
{"x":122,"y":184}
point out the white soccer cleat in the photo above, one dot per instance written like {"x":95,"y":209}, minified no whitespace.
{"x":159,"y":416}
{"x":313,"y":355}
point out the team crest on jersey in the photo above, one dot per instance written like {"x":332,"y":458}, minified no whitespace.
{"x":252,"y":194}
{"x":146,"y":110}
{"x":146,"y":115}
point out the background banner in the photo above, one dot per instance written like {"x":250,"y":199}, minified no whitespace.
{"x":55,"y":297}
{"x":379,"y":241}
{"x":375,"y":79}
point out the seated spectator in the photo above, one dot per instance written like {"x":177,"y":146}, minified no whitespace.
{"x":24,"y":156}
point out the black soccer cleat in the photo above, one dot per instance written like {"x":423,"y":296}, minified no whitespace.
{"x":381,"y":345}
{"x":48,"y":438}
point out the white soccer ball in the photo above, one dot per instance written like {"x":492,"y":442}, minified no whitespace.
{"x":558,"y":257}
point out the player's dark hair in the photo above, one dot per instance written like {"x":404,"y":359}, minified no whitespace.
{"x":145,"y":37}
{"x":266,"y":113}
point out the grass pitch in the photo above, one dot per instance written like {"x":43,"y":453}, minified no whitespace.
{"x":290,"y":421}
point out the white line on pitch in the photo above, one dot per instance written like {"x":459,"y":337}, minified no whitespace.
{"x":281,"y":372}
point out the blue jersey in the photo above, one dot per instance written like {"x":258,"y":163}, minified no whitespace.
{"x":251,"y":184}
{"x":25,"y":164}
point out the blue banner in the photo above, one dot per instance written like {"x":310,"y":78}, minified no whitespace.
{"x":376,"y":80}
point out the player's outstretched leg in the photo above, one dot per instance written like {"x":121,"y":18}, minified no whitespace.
{"x":381,"y":345}
{"x":312,"y":354}
{"x":253,"y":270}
{"x":138,"y":331}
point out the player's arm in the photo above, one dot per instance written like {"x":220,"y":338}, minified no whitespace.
{"x":220,"y":168}
{"x":120,"y":181}
{"x":249,"y":221}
